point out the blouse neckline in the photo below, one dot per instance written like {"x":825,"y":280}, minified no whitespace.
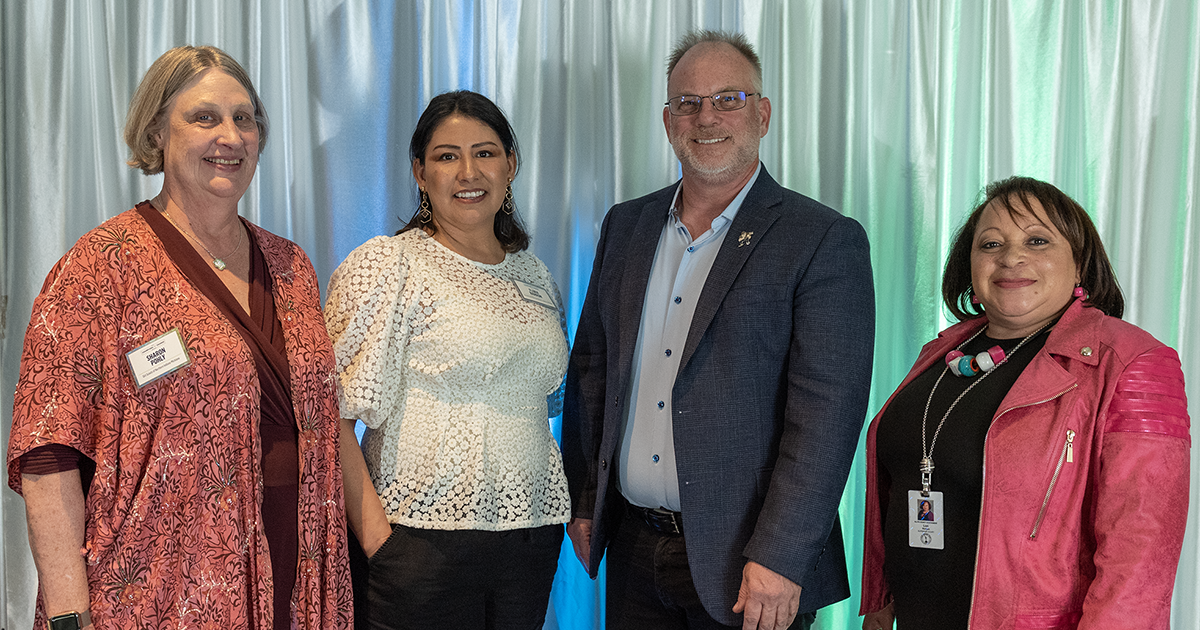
{"x":425,"y":235}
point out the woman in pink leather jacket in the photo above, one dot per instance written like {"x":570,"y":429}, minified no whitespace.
{"x":1053,"y":436}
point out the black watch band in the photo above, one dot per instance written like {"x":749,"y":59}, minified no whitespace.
{"x":70,"y":621}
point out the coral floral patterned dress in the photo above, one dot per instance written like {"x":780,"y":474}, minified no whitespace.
{"x":176,"y":532}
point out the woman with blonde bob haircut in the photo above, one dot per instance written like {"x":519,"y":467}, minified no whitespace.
{"x":148,"y":108}
{"x":175,"y":429}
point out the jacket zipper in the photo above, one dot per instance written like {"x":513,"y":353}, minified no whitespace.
{"x":983,"y":495}
{"x":1068,"y":456}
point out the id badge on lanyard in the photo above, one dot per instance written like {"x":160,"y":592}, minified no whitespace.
{"x":925,"y":520}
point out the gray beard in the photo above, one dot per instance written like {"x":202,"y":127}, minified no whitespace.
{"x":716,"y":173}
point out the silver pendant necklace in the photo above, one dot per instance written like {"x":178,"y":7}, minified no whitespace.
{"x":217,"y":261}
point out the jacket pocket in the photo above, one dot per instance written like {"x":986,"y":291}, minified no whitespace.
{"x":1066,"y":456}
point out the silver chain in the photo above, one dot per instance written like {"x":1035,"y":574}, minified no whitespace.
{"x":927,"y":455}
{"x":217,"y":261}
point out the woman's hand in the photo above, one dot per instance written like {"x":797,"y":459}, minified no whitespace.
{"x":374,"y":535}
{"x":883,"y":619}
{"x":364,"y":511}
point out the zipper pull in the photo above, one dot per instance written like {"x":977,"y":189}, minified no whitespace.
{"x":1070,"y":447}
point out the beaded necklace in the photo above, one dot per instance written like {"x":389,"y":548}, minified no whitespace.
{"x":927,"y":454}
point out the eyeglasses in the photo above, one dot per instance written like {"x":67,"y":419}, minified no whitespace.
{"x":689,"y":104}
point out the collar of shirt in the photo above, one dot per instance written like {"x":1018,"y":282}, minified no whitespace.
{"x":718,"y":224}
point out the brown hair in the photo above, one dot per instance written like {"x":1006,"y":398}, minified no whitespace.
{"x":165,"y":78}
{"x":1096,"y":274}
{"x":737,"y":40}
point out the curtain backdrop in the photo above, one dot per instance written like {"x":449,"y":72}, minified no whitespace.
{"x":895,"y":112}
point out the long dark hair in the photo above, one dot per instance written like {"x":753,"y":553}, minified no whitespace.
{"x":1014,"y":194}
{"x":509,"y":230}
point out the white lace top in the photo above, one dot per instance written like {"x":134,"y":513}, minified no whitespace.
{"x":451,"y":369}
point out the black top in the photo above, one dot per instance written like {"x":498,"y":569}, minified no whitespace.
{"x":932,"y":587}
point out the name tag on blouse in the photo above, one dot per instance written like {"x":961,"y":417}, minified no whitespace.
{"x":157,"y":358}
{"x":535,"y":294}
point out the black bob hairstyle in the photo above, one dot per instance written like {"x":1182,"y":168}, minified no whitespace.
{"x":509,"y":230}
{"x":1014,"y":195}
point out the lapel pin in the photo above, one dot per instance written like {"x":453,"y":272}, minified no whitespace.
{"x":744,"y":239}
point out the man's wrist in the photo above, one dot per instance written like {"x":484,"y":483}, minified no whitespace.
{"x":72,"y":620}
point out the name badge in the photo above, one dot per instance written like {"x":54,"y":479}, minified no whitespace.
{"x":925,"y":523}
{"x":157,"y":358}
{"x":535,"y":294}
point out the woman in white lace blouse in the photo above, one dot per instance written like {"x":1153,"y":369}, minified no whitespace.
{"x":450,"y":347}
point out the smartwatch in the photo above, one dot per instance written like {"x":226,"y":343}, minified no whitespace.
{"x":70,"y":621}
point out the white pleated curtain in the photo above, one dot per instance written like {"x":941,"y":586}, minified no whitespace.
{"x":896,"y":113}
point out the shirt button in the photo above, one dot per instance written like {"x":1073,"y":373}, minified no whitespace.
{"x":661,"y":404}
{"x":1085,"y":351}
{"x":692,"y":248}
{"x":655,"y":458}
{"x":678,"y":299}
{"x":668,"y":352}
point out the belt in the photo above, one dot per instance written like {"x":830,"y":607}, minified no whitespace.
{"x":662,"y":521}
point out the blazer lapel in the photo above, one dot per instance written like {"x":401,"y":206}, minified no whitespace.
{"x":643,"y":243}
{"x":758,"y":212}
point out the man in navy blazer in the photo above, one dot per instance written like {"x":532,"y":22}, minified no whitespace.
{"x":719,"y":376}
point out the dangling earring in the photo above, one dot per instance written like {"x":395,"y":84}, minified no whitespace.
{"x":1080,"y":292}
{"x":508,"y":206}
{"x":974,"y":298}
{"x":424,"y":211}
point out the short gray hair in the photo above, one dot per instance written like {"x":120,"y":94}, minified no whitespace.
{"x":737,"y":40}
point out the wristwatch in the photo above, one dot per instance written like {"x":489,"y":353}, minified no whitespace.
{"x":70,"y":621}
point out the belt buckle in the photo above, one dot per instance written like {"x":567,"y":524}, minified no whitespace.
{"x":663,"y":520}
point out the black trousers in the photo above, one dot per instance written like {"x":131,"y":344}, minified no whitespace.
{"x":650,"y":583}
{"x":430,"y":578}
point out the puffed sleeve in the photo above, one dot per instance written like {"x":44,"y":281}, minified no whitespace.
{"x":365,"y":314}
{"x":1141,"y":496}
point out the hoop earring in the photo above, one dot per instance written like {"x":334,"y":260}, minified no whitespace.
{"x":424,"y":211}
{"x":508,"y":207}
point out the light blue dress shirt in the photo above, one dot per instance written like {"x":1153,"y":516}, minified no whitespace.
{"x":646,"y":474}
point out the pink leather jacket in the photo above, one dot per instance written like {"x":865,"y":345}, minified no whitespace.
{"x":1085,"y":485}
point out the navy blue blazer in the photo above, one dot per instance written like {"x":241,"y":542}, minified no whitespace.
{"x":770,"y":396}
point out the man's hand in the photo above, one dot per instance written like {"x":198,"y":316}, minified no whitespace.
{"x":883,"y":619}
{"x":767,"y":600}
{"x":580,"y":531}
